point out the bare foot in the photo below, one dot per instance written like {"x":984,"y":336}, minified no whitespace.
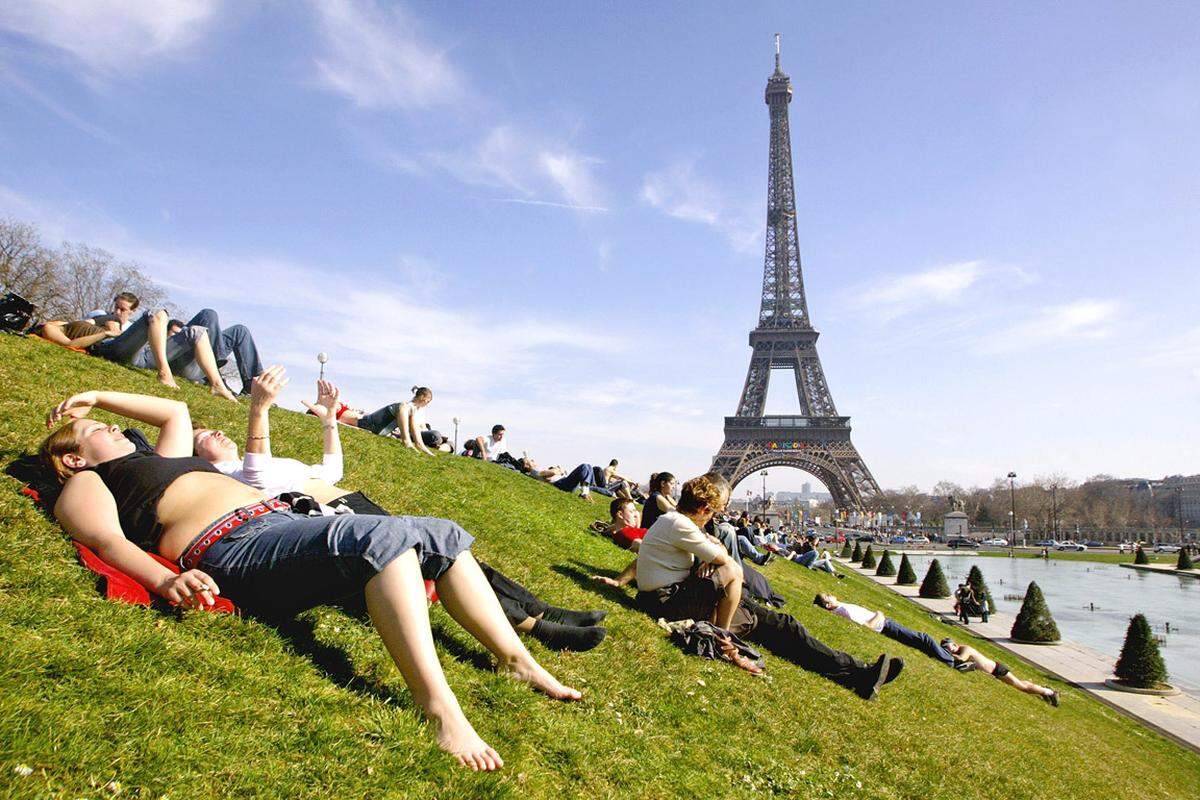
{"x":533,"y":673}
{"x":167,"y":379}
{"x":460,"y":740}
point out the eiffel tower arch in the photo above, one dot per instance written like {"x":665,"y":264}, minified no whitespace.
{"x":817,"y":439}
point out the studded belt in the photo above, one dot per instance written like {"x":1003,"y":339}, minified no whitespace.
{"x":225,"y":525}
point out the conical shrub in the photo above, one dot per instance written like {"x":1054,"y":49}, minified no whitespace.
{"x":846,"y":549}
{"x":1140,"y":664}
{"x":1140,"y":557}
{"x":979,"y":586}
{"x":1185,"y":560}
{"x":935,"y":584}
{"x":1034,"y":623}
{"x":907,"y":576}
{"x":868,"y":561}
{"x":857,"y":555}
{"x":886,"y":568}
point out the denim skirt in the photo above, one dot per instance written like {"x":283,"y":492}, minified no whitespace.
{"x":283,"y":563}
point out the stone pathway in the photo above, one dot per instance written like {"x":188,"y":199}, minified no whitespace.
{"x":1177,"y":717}
{"x":1166,"y":569}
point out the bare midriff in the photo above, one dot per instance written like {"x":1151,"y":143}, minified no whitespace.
{"x":193,"y":502}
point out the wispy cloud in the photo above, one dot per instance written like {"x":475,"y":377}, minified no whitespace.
{"x":10,"y":77}
{"x":1178,"y":351}
{"x":679,"y":191}
{"x":378,"y":58}
{"x":107,"y":37}
{"x":951,"y":284}
{"x":1080,"y":320}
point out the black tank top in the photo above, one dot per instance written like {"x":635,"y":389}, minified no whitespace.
{"x":650,"y":510}
{"x":137,"y":482}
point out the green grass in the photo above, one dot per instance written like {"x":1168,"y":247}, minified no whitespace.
{"x":1087,"y":555}
{"x":209,"y":706}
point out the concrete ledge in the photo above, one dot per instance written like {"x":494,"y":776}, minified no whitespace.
{"x":1163,"y":569}
{"x":1116,"y":685}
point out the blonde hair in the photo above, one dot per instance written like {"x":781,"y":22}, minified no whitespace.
{"x":709,"y":490}
{"x":58,"y":444}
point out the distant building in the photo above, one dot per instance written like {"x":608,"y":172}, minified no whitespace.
{"x":1190,"y":498}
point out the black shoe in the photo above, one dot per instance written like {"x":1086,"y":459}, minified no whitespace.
{"x":895,"y":667}
{"x":841,"y":577}
{"x":581,"y":619}
{"x":871,"y":678}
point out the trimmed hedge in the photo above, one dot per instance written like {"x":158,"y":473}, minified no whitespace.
{"x":935,"y":584}
{"x":868,"y":559}
{"x":1185,"y":560}
{"x":1140,"y":664}
{"x":857,"y":555}
{"x":906,"y":576}
{"x":846,"y":549}
{"x":979,"y":586}
{"x":1140,"y":557}
{"x":1034,"y":622}
{"x":886,"y":568}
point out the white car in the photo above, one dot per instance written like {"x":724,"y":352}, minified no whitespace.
{"x":997,"y":542}
{"x":1166,"y":548}
{"x":1075,"y":546}
{"x":918,"y":540}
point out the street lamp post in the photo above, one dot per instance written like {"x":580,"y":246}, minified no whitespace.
{"x":1012,"y":512}
{"x":455,"y":421}
{"x":764,"y":494}
{"x":1054,"y":508}
{"x":1179,"y":511}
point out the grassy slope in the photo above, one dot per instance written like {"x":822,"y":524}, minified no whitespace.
{"x":210,"y":706}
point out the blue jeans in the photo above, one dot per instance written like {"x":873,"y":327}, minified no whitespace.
{"x":915,"y":639}
{"x":123,"y":348}
{"x":580,"y":476}
{"x":283,"y":563}
{"x":181,"y":352}
{"x":749,"y":551}
{"x":381,"y":421}
{"x":235,"y":340}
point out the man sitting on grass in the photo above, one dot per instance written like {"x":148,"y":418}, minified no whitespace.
{"x":878,"y":622}
{"x":672,"y":587}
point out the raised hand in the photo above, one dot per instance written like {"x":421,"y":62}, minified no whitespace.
{"x":74,"y":407}
{"x":326,"y":406}
{"x":265,"y":388}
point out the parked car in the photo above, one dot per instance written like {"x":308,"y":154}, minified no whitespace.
{"x":918,"y":539}
{"x":996,"y":542}
{"x":1046,"y":543}
{"x":959,"y":541}
{"x":898,"y":540}
{"x":1166,"y":548}
{"x":1072,"y":546}
{"x":1094,"y":543}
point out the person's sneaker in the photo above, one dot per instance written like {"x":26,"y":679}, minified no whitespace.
{"x":841,"y":577}
{"x":895,"y":667}
{"x":1051,"y":698}
{"x":871,"y":678}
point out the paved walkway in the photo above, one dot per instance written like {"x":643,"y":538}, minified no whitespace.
{"x":1166,"y":569}
{"x":1177,"y":717}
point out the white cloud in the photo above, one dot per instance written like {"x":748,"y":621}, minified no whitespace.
{"x":110,"y":36}
{"x":938,"y":285}
{"x":679,"y":191}
{"x":378,"y":59}
{"x":1179,"y":351}
{"x":1080,"y":320}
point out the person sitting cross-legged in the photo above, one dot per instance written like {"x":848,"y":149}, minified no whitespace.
{"x":273,"y":562}
{"x":671,"y":586}
{"x":968,"y":659}
{"x":880,"y":623}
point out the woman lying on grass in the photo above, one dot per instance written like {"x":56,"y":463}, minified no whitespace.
{"x":557,"y":628}
{"x":229,"y":538}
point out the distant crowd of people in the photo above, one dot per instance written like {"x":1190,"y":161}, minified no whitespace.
{"x":277,"y":536}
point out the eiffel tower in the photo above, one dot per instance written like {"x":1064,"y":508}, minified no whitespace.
{"x":816,"y":440}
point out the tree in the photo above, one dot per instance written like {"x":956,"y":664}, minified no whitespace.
{"x":979,"y":586}
{"x":27,"y":267}
{"x":1185,"y":559}
{"x":906,"y":576}
{"x":857,"y":555}
{"x":1140,"y":557}
{"x":1034,"y":622}
{"x":935,"y":584}
{"x":886,"y":568}
{"x":1140,"y":664}
{"x":868,"y":559}
{"x":846,"y":549}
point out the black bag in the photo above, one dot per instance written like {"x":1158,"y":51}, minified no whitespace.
{"x":16,"y":314}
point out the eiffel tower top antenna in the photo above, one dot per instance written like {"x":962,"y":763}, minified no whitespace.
{"x":777,"y":68}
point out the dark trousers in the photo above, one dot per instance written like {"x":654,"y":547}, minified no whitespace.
{"x":697,"y":598}
{"x":235,"y":340}
{"x":580,"y":476}
{"x":916,"y":640}
{"x":517,"y":601}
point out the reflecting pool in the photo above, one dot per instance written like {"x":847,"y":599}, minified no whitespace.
{"x":1092,"y":603}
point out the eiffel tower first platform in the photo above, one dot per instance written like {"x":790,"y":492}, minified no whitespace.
{"x":816,"y":440}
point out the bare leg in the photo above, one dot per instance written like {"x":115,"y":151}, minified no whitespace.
{"x":398,"y":608}
{"x":467,"y":596}
{"x":723,"y":615}
{"x":208,"y":365}
{"x":156,"y":334}
{"x":1028,"y":687}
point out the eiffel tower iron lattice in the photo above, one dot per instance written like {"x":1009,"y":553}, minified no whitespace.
{"x":816,"y":440}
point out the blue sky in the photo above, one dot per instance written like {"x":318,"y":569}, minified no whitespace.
{"x":552,"y":213}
